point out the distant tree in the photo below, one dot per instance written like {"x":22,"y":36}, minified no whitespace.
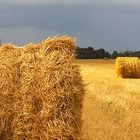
{"x":91,"y":53}
{"x":115,"y":54}
{"x":0,"y":42}
{"x":107,"y":55}
{"x":102,"y":53}
{"x":128,"y":53}
{"x":90,"y":49}
{"x":136,"y":54}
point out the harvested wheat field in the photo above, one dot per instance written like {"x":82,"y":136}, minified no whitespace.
{"x":111,"y":108}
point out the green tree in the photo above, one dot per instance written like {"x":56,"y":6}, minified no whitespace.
{"x":115,"y":54}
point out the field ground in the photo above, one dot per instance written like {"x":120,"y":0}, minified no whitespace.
{"x":111,"y":107}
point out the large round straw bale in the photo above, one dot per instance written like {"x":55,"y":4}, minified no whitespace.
{"x":49,"y":98}
{"x":128,"y":67}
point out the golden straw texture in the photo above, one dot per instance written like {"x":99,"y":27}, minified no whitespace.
{"x":9,"y":76}
{"x":49,"y":92}
{"x":128,"y":67}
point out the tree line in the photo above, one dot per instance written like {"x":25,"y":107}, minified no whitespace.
{"x":91,"y":53}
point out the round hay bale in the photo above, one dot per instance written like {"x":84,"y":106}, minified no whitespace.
{"x":49,"y":98}
{"x":128,"y":67}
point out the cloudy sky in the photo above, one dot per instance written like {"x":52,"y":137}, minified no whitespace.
{"x":108,"y":24}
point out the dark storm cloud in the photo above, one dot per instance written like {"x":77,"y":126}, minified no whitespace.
{"x":42,"y":16}
{"x":103,"y":24}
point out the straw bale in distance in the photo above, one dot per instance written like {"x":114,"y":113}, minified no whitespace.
{"x":128,"y":67}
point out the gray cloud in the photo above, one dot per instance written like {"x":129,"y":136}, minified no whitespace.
{"x":109,"y":25}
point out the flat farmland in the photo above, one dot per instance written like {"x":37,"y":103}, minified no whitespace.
{"x":111,"y":106}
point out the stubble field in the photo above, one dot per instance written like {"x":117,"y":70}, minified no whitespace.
{"x":111,"y":106}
